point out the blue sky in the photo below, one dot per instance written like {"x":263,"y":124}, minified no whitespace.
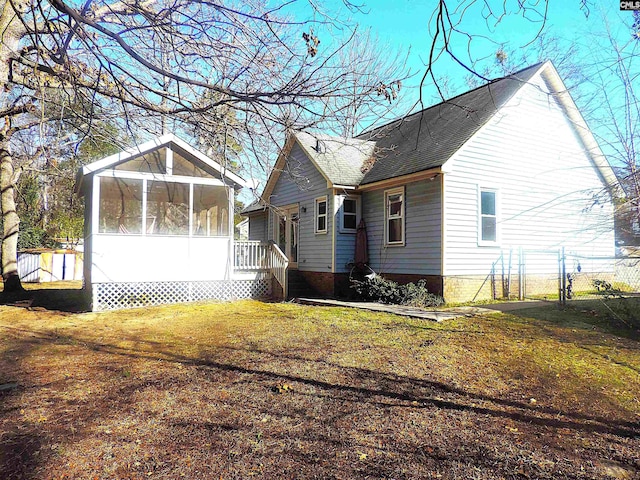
{"x":404,"y":25}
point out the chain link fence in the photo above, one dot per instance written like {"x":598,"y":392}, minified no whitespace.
{"x":598,"y":277}
{"x":556,"y":275}
{"x":605,"y":287}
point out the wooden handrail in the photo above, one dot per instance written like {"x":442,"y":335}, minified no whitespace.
{"x":256,"y":255}
{"x":279,"y":265}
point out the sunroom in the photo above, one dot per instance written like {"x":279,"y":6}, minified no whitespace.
{"x":159,"y":228}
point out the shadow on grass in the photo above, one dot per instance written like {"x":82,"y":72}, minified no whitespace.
{"x":54,"y":299}
{"x":26,"y":448}
{"x":376,"y":387}
{"x":605,"y":315}
{"x":19,"y":447}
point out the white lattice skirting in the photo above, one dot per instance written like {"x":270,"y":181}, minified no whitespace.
{"x":115,"y":296}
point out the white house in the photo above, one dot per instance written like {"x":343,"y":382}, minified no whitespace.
{"x":447,"y":193}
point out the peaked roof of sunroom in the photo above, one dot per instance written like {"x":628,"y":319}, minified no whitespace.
{"x":155,"y":144}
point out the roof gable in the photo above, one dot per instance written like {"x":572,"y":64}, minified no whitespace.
{"x":339,"y":160}
{"x":156,"y":144}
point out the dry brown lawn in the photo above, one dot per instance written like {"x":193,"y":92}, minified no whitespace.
{"x":250,"y":389}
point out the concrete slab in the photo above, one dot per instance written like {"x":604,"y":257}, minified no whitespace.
{"x":433,"y":315}
{"x":511,"y":306}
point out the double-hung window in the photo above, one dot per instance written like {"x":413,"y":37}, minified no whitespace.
{"x":321,"y":215}
{"x":394,"y":216}
{"x":350,"y":214}
{"x":488,"y":218}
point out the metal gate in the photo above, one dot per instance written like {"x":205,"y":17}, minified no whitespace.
{"x":526,"y":274}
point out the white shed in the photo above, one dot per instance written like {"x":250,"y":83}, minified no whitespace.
{"x":159,"y":227}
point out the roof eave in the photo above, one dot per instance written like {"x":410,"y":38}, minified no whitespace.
{"x":580,"y":126}
{"x":401,"y":180}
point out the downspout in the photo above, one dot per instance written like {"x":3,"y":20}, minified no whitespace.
{"x":333,"y":231}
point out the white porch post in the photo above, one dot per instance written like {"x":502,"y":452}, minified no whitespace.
{"x":95,"y":207}
{"x":232,"y":261}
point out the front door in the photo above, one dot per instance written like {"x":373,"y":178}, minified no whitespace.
{"x":286,"y":231}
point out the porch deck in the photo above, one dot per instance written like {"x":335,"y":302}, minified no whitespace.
{"x":252,"y":257}
{"x":259,"y":270}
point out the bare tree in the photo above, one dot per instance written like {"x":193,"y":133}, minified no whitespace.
{"x":367,"y":62}
{"x":173,"y":60}
{"x":604,"y":81}
{"x":450,"y":27}
{"x":614,"y":78}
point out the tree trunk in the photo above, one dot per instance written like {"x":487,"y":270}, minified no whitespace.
{"x":10,"y":221}
{"x":13,"y":30}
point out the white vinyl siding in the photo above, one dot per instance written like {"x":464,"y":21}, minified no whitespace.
{"x":301,"y":183}
{"x":547,"y":185}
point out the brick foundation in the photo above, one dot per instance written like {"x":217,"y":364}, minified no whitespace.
{"x":469,"y":287}
{"x":342,"y":286}
{"x":277,"y":292}
{"x":338,"y":284}
{"x":454,"y":289}
{"x":434,"y":282}
{"x":321,"y":282}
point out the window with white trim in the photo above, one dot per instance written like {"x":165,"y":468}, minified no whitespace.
{"x":488,"y":218}
{"x":394,"y":216}
{"x":350,"y":214}
{"x":321,"y":215}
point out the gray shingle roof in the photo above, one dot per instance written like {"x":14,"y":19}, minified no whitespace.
{"x":427,"y":139}
{"x":257,"y":206}
{"x":341,"y":159}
